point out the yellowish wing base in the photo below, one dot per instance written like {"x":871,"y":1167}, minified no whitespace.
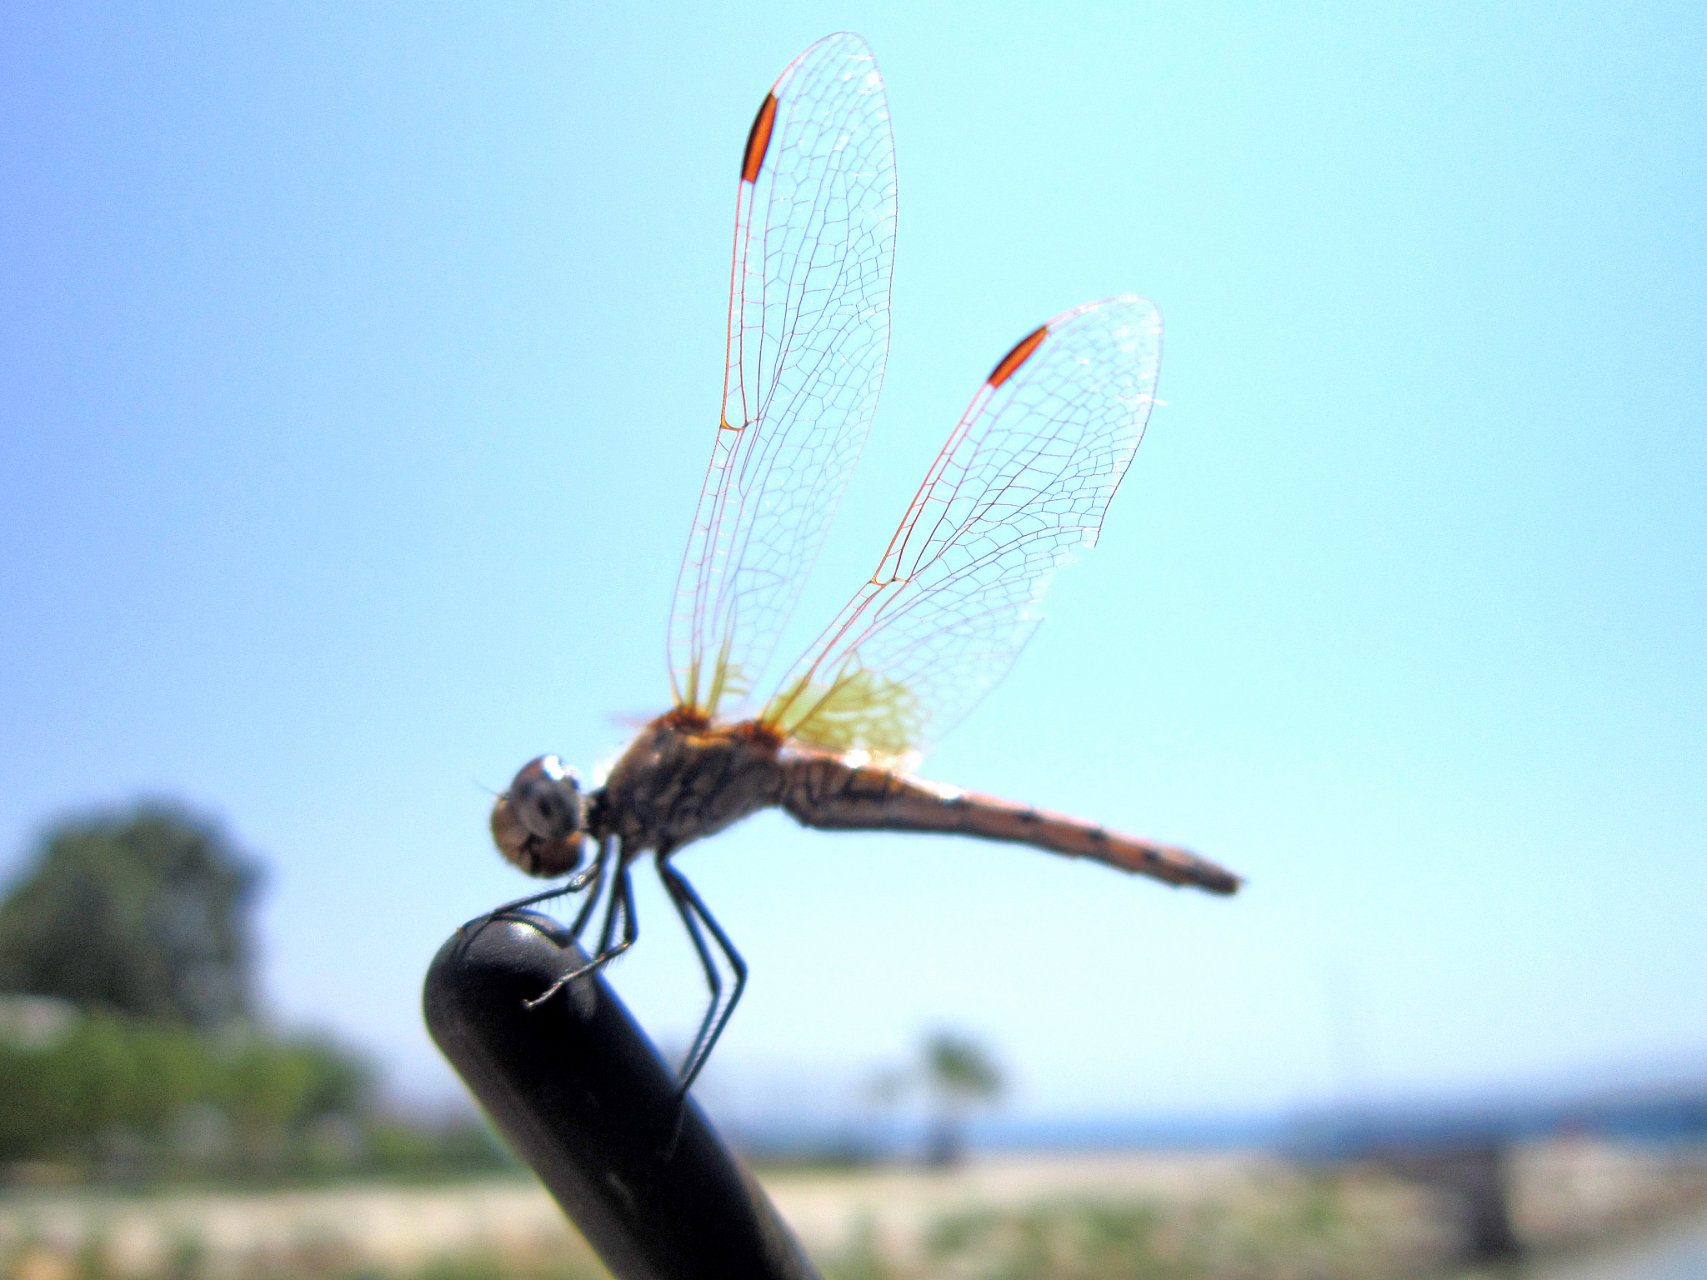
{"x":861,"y":709}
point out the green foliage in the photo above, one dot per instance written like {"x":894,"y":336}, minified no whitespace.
{"x":960,"y":1069}
{"x":413,"y":1149}
{"x":125,"y":1097}
{"x":127,"y":1052}
{"x":143,"y":914}
{"x":192,"y":1261}
{"x":1304,"y":1231}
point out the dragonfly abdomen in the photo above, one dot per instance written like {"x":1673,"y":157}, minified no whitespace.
{"x":821,"y":791}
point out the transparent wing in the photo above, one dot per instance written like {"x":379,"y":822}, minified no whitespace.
{"x":1024,"y":480}
{"x":808,"y":336}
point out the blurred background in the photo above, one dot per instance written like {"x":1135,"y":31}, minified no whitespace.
{"x":359,"y":372}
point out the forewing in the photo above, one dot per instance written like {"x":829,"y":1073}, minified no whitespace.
{"x":808,"y":336}
{"x":1024,"y":481}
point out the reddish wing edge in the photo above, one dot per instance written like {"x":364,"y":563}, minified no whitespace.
{"x":807,"y":338}
{"x":1023,"y":481}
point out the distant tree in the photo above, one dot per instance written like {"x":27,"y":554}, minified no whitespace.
{"x":961,"y":1074}
{"x":145,"y":914}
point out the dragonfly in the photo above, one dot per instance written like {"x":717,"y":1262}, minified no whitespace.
{"x":1022,"y":482}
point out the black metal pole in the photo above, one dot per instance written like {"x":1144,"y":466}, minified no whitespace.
{"x":584,"y":1097}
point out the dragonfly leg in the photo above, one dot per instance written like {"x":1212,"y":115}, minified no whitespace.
{"x":594,"y":876}
{"x":620,"y":904}
{"x":713,"y":979}
{"x":574,"y":884}
{"x":693,"y":912}
{"x":545,"y":895}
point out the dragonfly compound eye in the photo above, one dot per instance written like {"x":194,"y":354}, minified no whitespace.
{"x":546,"y":797}
{"x":539,"y":822}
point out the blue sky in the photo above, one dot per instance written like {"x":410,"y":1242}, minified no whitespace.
{"x":360,"y":367}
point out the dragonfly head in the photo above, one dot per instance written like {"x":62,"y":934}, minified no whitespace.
{"x":539,"y":824}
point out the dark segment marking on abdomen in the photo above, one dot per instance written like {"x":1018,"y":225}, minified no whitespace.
{"x":820,"y":791}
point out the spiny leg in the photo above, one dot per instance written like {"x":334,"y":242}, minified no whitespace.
{"x":574,"y":884}
{"x":594,"y":875}
{"x":687,"y":900}
{"x":713,"y":978}
{"x":621,"y":899}
{"x":621,"y":902}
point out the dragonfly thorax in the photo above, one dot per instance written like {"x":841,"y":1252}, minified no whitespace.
{"x":683,"y":778}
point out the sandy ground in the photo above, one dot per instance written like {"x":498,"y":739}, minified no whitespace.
{"x":1568,"y":1185}
{"x":387,"y":1228}
{"x":825,"y":1209}
{"x":398,"y":1228}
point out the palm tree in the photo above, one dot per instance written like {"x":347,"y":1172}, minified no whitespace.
{"x":961,"y":1074}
